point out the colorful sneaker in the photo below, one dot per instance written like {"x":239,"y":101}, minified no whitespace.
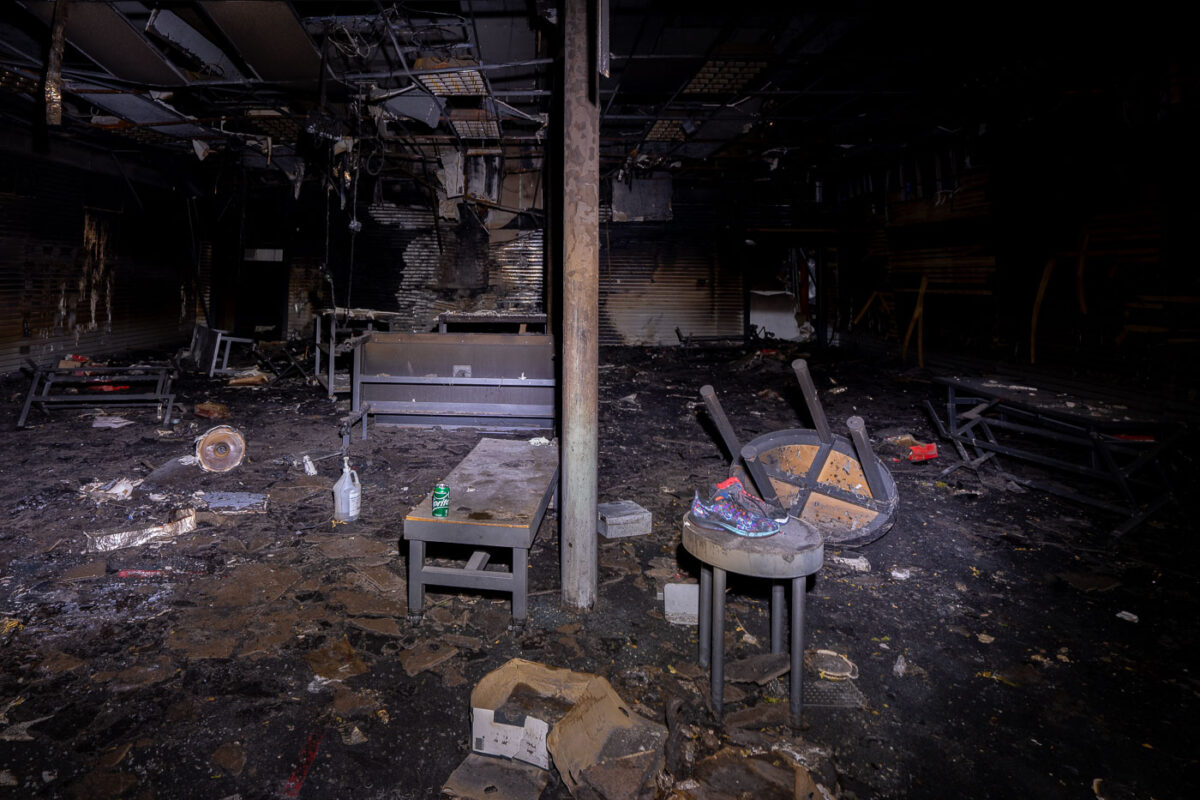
{"x":721,"y":513}
{"x":732,"y":488}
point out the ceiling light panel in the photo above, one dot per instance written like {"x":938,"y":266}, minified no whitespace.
{"x":666,"y":130}
{"x":451,"y":82}
{"x":470,"y":123}
{"x":724,"y":76}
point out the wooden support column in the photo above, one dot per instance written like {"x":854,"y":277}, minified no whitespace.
{"x":53,"y":83}
{"x":580,"y":214}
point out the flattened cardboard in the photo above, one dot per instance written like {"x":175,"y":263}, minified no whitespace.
{"x":483,"y":778}
{"x":603,"y":749}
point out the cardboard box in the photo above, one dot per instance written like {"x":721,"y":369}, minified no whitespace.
{"x":514,"y":706}
{"x":601,"y":748}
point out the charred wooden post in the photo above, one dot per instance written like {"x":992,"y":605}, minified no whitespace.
{"x":54,"y":60}
{"x":580,"y":347}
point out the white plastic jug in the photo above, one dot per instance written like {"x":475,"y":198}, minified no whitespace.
{"x":347,"y":494}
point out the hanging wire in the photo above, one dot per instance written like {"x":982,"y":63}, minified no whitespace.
{"x":328,"y":272}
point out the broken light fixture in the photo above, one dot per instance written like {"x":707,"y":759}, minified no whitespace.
{"x":455,"y":77}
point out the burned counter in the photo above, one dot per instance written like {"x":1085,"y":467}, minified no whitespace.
{"x":490,"y":380}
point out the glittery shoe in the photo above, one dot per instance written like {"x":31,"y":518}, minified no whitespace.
{"x":721,"y":513}
{"x":732,"y":488}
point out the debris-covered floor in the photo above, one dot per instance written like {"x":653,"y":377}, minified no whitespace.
{"x":1001,"y":647}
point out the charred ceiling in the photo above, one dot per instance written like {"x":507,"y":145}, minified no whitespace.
{"x":708,"y":90}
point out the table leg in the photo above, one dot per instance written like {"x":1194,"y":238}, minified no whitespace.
{"x":416,"y":589}
{"x":705,"y":613}
{"x":520,"y":574}
{"x":718,"y":640}
{"x":777,"y":617}
{"x":799,"y":589}
{"x":37,"y":376}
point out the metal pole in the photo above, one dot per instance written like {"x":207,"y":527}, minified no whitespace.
{"x":722,"y":422}
{"x":717,"y":668}
{"x":796,"y":693}
{"x":581,"y":257}
{"x":704,"y":634}
{"x":777,"y":614}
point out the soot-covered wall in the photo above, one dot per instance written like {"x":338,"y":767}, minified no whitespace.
{"x":89,"y":264}
{"x":401,"y":259}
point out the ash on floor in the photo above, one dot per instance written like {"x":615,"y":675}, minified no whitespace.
{"x":1002,"y":647}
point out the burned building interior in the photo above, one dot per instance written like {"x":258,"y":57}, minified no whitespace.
{"x":375,"y":373}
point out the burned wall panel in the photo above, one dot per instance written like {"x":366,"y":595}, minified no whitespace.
{"x":83,"y":269}
{"x":656,"y":278}
{"x":404,"y":264}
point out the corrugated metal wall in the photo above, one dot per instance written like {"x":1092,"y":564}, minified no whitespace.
{"x":82,"y":269}
{"x":655,"y":278}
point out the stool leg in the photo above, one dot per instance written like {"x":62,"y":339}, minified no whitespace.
{"x":799,"y":589}
{"x":705,"y":613}
{"x":718,"y":640}
{"x":416,"y":589}
{"x":777,"y":617}
{"x":520,"y":568}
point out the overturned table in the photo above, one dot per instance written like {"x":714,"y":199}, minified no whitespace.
{"x":498,"y":496}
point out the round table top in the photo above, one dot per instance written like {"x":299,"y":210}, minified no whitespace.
{"x":797,"y":550}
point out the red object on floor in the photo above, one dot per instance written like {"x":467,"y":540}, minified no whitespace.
{"x":923,"y":452}
{"x":308,"y":755}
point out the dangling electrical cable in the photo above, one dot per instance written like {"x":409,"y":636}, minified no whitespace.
{"x":325,"y":268}
{"x":355,"y":227}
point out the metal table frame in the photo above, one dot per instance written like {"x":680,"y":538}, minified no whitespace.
{"x":211,"y":346}
{"x":47,"y":378}
{"x":1122,"y":456}
{"x":513,"y":483}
